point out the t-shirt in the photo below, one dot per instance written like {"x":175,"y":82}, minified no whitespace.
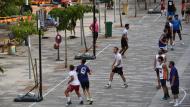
{"x":176,"y":24}
{"x":118,"y":58}
{"x":75,"y":81}
{"x":83,"y":71}
{"x":170,"y":5}
{"x":96,"y":27}
{"x":125,"y":31}
{"x":173,"y":73}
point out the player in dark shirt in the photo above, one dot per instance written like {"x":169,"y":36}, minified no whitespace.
{"x":83,"y":71}
{"x":174,"y":81}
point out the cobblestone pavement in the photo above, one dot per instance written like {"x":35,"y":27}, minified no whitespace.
{"x":144,"y":33}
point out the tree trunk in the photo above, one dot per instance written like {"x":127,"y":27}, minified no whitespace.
{"x":83,"y":34}
{"x":135,"y":8}
{"x":120,"y":17}
{"x":114,"y":10}
{"x":105,"y":19}
{"x":65,"y":49}
{"x":99,"y":17}
{"x":145,"y":4}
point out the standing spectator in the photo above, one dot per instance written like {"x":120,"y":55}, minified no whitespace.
{"x":174,"y":82}
{"x":182,"y":8}
{"x":117,"y":67}
{"x":156,"y":65}
{"x":163,"y":8}
{"x":94,"y":31}
{"x":187,"y":11}
{"x":177,"y":27}
{"x":73,"y":84}
{"x":83,"y":71}
{"x":124,"y":40}
{"x":163,"y":73}
{"x":171,"y":8}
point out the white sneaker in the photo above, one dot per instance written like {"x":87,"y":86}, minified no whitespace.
{"x":176,"y":104}
{"x":172,"y":102}
{"x":173,"y":43}
{"x":182,"y":43}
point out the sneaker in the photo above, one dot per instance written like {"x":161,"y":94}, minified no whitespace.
{"x":81,"y":103}
{"x":168,"y":97}
{"x":172,"y":102}
{"x":87,"y":99}
{"x":176,"y":104}
{"x":182,"y":43}
{"x":124,"y":86}
{"x":108,"y":86}
{"x":163,"y":98}
{"x":158,"y":87}
{"x":90,"y":103}
{"x":173,"y":43}
{"x":68,"y":103}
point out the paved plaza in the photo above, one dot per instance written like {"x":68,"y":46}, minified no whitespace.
{"x":144,"y":33}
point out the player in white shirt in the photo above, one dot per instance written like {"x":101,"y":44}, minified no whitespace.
{"x":156,"y":65}
{"x":124,"y":40}
{"x":117,"y":67}
{"x":73,"y":84}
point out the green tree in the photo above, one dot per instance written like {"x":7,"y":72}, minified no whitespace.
{"x":23,"y":30}
{"x":10,"y":7}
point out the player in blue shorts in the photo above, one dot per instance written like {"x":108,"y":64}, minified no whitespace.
{"x":174,"y":81}
{"x":83,"y":71}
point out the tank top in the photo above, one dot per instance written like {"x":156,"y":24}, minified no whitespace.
{"x":157,"y":63}
{"x":162,"y":72}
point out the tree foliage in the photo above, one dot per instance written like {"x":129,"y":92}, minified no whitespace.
{"x":23,"y":30}
{"x":69,"y":16}
{"x":10,"y":7}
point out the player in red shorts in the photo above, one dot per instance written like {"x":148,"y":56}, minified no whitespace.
{"x":73,"y":84}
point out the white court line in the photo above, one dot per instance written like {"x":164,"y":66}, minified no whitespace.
{"x":52,"y":89}
{"x":183,"y":96}
{"x":157,"y":18}
{"x":140,"y":21}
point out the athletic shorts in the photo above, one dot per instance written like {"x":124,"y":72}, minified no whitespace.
{"x":124,"y":46}
{"x":162,"y":46}
{"x":118,"y":70}
{"x":175,"y":90}
{"x":163,"y":82}
{"x":70,"y":88}
{"x":170,"y":13}
{"x":157,"y":71}
{"x":85,"y":85}
{"x":178,"y":31}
